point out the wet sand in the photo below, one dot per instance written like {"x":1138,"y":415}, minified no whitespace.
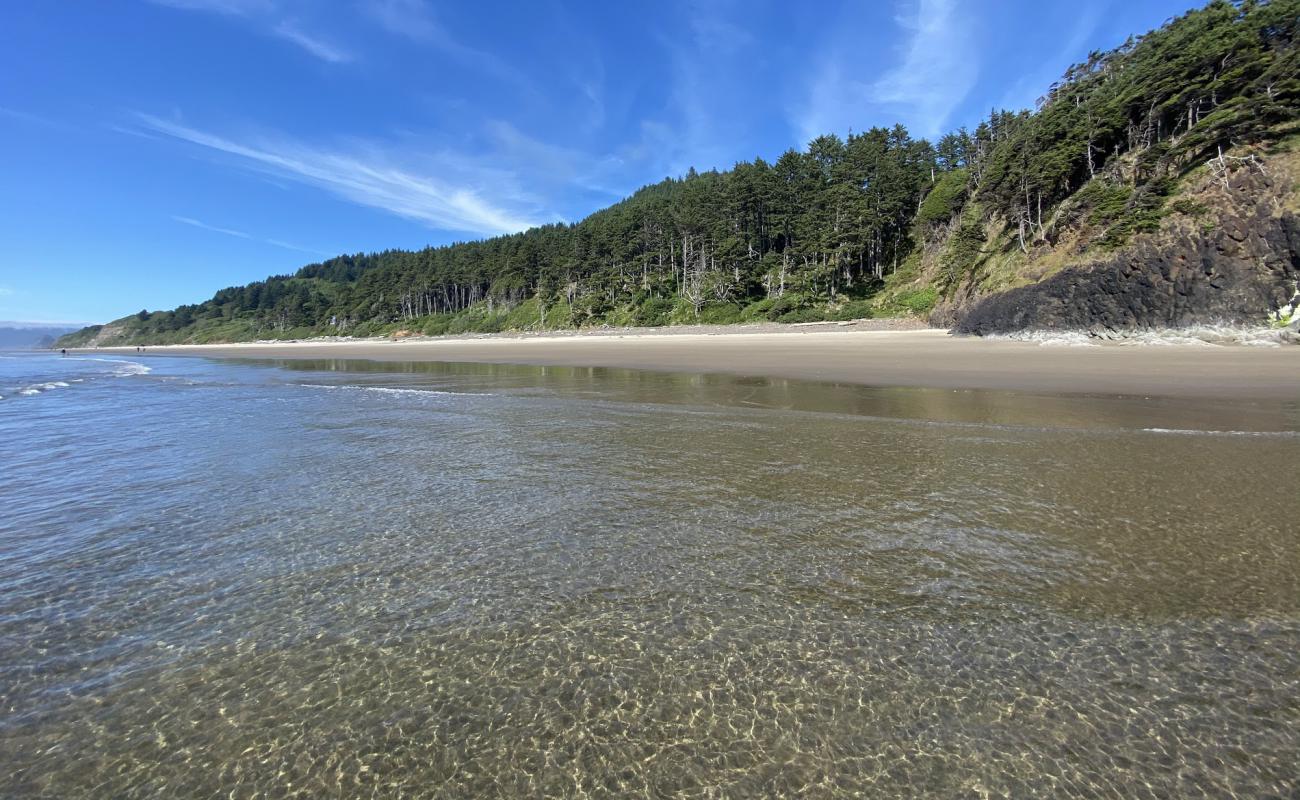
{"x":919,"y":358}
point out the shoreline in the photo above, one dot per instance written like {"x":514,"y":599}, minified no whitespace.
{"x":925,"y":358}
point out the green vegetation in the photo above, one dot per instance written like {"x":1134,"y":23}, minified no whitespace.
{"x":945,"y":198}
{"x":1109,"y":143}
{"x":835,"y":231}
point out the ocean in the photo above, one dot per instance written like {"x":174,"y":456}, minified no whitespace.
{"x":365,"y":579}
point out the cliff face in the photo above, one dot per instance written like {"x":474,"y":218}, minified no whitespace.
{"x":1244,"y":268}
{"x":91,"y":336}
{"x":1236,"y":263}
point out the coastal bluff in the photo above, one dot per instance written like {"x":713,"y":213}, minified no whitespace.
{"x":1240,"y":269}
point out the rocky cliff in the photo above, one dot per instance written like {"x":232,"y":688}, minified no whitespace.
{"x":1236,"y":272}
{"x":1234,"y":259}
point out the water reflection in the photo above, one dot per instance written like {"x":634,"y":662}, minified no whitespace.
{"x":892,"y":402}
{"x":278,"y":581}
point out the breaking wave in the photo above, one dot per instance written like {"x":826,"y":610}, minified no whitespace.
{"x":379,"y":389}
{"x":37,"y":388}
{"x":1200,"y":432}
{"x":125,"y":368}
{"x":1050,"y":338}
{"x":1194,"y":336}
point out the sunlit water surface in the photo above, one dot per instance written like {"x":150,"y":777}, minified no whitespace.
{"x":352,"y":579}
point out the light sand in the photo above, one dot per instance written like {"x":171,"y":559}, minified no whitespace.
{"x":924,"y":358}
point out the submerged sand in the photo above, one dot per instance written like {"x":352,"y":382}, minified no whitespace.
{"x":920,"y":358}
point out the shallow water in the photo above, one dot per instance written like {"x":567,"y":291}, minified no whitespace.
{"x":289,"y":579}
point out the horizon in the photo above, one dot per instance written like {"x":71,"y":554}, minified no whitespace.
{"x":41,"y":325}
{"x":175,"y":147}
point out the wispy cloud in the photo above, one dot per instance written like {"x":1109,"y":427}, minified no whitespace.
{"x":268,"y":18}
{"x":196,"y":223}
{"x":938,"y":69}
{"x":366,"y":175}
{"x":415,"y":20}
{"x":30,"y":118}
{"x":706,"y":119}
{"x":5,"y":291}
{"x":242,"y":235}
{"x":555,"y":165}
{"x":312,"y":44}
{"x":1033,"y":84}
{"x":410,"y":18}
{"x":234,"y":8}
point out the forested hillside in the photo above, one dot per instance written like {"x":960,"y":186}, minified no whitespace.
{"x":877,"y":224}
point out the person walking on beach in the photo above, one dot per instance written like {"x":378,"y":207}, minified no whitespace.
{"x":64,"y":351}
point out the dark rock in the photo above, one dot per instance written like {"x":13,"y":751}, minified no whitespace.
{"x":1237,"y":273}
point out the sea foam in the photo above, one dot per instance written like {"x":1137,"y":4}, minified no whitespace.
{"x":37,"y":388}
{"x":379,"y":389}
{"x":129,"y":368}
{"x":1050,"y":338}
{"x":1202,"y":432}
{"x":124,"y":368}
{"x":1194,"y":336}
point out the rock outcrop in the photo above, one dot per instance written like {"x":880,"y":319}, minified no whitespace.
{"x":1235,"y":271}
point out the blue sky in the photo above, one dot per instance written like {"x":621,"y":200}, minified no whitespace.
{"x":158,"y":150}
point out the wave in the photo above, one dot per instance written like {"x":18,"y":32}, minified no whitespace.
{"x":37,"y":388}
{"x":1193,"y":336}
{"x":1212,"y":336}
{"x":380,"y":389}
{"x":126,"y":369}
{"x":121,"y":369}
{"x":1050,"y":338}
{"x":1199,"y":432}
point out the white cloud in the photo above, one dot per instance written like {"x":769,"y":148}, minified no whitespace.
{"x":234,"y":8}
{"x":410,"y":18}
{"x":369,"y":176}
{"x":5,"y":291}
{"x":288,"y":246}
{"x":707,"y":115}
{"x":415,"y":20}
{"x":1032,"y":85}
{"x":196,"y":223}
{"x":938,"y":69}
{"x":28,"y":117}
{"x":241,"y":235}
{"x":312,"y":44}
{"x":555,"y":165}
{"x":267,"y":16}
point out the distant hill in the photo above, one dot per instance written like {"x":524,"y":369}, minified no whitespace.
{"x":18,"y":336}
{"x":1154,"y":185}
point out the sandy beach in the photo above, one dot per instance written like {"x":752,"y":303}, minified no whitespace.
{"x":921,"y":358}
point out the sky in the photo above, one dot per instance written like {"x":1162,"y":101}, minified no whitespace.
{"x":156,"y":151}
